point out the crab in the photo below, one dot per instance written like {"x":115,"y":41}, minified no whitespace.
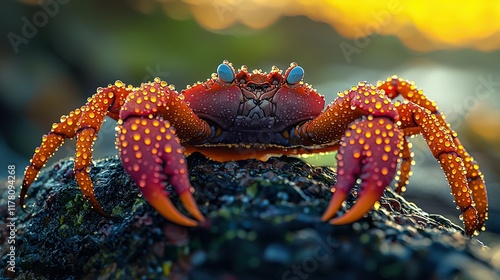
{"x":237,"y":114}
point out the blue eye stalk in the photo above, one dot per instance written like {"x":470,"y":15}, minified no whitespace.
{"x":295,"y":75}
{"x":225,"y":73}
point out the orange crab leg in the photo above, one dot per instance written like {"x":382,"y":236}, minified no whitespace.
{"x":442,"y":146}
{"x":395,"y":87}
{"x":475,"y":180}
{"x":150,"y":148}
{"x":50,"y":143}
{"x":84,"y":123}
{"x":404,"y":172}
{"x":369,"y":149}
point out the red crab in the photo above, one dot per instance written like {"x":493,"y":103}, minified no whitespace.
{"x":239,"y":114}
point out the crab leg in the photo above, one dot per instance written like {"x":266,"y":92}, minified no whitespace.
{"x":475,"y":181}
{"x":441,"y":143}
{"x":364,"y":120}
{"x":50,"y":143}
{"x":84,"y":123}
{"x":404,"y":172}
{"x":150,"y":149}
{"x":395,"y":87}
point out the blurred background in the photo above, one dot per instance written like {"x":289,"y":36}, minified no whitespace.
{"x":55,"y":53}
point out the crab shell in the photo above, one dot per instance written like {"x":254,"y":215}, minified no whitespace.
{"x":253,"y":114}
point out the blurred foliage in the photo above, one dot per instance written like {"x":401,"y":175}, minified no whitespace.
{"x":449,"y":25}
{"x":54,"y":54}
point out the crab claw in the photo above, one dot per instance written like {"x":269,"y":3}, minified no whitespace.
{"x":369,"y":151}
{"x":151,"y":154}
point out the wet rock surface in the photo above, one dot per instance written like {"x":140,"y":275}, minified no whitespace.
{"x":263,"y":223}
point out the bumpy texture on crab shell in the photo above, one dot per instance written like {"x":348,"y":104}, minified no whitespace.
{"x":268,"y":210}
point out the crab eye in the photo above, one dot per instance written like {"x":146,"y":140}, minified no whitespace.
{"x":225,"y":73}
{"x":295,"y":75}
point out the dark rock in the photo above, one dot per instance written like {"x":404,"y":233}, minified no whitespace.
{"x":264,"y":223}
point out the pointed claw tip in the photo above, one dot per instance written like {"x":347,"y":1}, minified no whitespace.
{"x":335,"y":221}
{"x":164,"y":206}
{"x":334,"y":205}
{"x":360,"y":208}
{"x":188,"y":222}
{"x":191,"y":206}
{"x":325,"y":217}
{"x":344,"y":219}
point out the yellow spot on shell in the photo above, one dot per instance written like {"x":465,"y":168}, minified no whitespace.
{"x":137,"y":136}
{"x":384,"y":171}
{"x":142,"y":183}
{"x":136,"y":167}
